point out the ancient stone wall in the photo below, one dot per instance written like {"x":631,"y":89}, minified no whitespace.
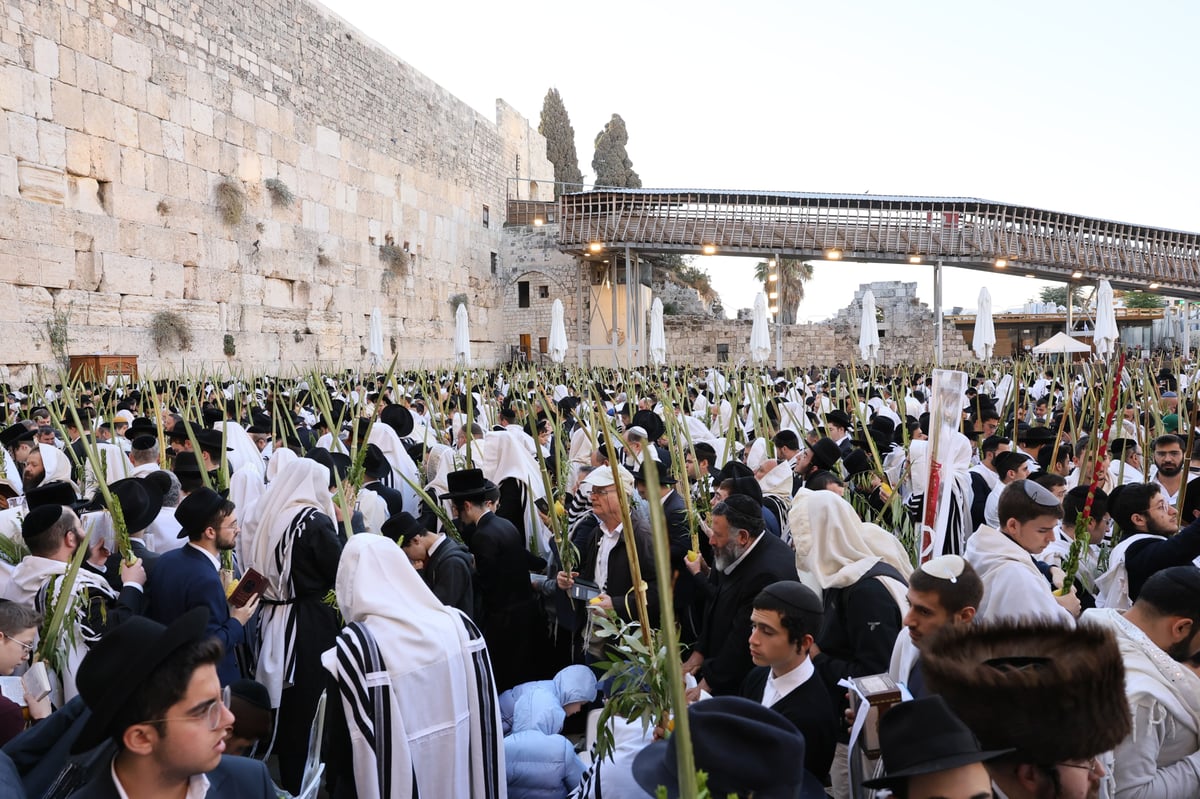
{"x":530,"y":255}
{"x":264,"y":170}
{"x":906,"y":334}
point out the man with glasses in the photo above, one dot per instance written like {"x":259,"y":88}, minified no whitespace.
{"x":1013,"y":586}
{"x":1159,"y":638}
{"x":154,"y":692}
{"x":190,"y":577}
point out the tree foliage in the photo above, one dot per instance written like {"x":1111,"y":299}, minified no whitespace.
{"x":793,"y":274}
{"x":1140,"y":299}
{"x":611,"y":162}
{"x":555,"y":125}
{"x":1058,"y":295}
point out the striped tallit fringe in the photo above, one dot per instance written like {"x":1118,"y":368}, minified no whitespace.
{"x":491,"y":741}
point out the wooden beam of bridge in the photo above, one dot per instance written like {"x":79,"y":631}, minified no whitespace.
{"x":962,"y":232}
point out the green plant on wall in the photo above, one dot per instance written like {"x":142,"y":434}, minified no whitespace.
{"x":229,"y":346}
{"x":230,"y":201}
{"x":58,"y":333}
{"x":281,"y":195}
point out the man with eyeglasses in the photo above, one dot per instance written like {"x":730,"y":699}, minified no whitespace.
{"x":154,"y":692}
{"x":1159,"y":638}
{"x":1013,"y":586}
{"x":1149,"y":543}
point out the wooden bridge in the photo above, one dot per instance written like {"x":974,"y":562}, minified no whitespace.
{"x":951,"y":231}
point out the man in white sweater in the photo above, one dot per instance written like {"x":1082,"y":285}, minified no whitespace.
{"x":1158,"y":637}
{"x":1013,"y":586}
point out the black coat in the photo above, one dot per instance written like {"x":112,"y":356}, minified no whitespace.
{"x":724,"y":639}
{"x":393,"y":498}
{"x":810,"y":708}
{"x":510,"y":613}
{"x":619,"y":585}
{"x":450,"y":574}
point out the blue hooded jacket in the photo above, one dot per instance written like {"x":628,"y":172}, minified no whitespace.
{"x":540,"y":763}
{"x":573,"y":684}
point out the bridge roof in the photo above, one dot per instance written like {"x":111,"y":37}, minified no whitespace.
{"x":959,"y":231}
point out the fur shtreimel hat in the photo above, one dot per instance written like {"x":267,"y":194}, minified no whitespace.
{"x":1052,"y":692}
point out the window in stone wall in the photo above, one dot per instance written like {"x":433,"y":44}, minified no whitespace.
{"x":543,"y":345}
{"x":543,"y":292}
{"x":523,"y":294}
{"x":495,"y":262}
{"x":722,"y":353}
{"x":487,"y":215}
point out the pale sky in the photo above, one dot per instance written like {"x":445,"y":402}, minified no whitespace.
{"x":1082,"y":107}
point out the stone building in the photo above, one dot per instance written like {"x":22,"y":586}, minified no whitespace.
{"x":268,"y":174}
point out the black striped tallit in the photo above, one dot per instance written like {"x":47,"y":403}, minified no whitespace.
{"x":491,"y":742}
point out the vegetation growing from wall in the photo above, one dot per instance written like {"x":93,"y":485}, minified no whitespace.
{"x":230,"y":201}
{"x":168,"y":328}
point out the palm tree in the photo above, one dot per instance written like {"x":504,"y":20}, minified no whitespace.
{"x":793,"y":273}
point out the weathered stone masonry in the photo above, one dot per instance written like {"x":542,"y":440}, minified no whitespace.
{"x":120,"y":122}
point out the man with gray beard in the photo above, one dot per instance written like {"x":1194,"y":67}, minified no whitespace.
{"x":745,"y":562}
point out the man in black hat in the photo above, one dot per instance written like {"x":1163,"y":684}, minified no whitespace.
{"x":837,"y":422}
{"x":446,"y":566}
{"x":746,"y":750}
{"x":928,"y":753}
{"x":190,"y":576}
{"x":785,"y":617}
{"x":376,"y":467}
{"x":140,"y":503}
{"x":502,"y":573}
{"x":154,"y":692}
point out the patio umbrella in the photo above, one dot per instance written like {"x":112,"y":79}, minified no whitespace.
{"x":558,"y":333}
{"x":868,"y":333}
{"x":760,"y":337}
{"x":462,"y":336}
{"x":984,"y":340}
{"x":658,"y":338}
{"x":1105,"y":337}
{"x":375,"y":340}
{"x":1060,"y":343}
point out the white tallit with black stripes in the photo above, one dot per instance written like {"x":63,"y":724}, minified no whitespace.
{"x":415,"y":681}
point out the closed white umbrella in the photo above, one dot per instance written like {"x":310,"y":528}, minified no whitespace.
{"x":760,"y":337}
{"x":658,"y":337}
{"x":558,"y":333}
{"x":375,"y":340}
{"x":984,"y":340}
{"x":868,"y":333}
{"x":462,"y":336}
{"x":1105,"y":335}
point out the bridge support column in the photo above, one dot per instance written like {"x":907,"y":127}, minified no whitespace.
{"x":584,"y":273}
{"x":628,"y":308}
{"x":1187,"y":329}
{"x":937,"y":312}
{"x":778,"y":314}
{"x":1070,"y":296}
{"x":612,"y":281}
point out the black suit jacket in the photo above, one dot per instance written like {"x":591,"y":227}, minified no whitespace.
{"x":233,"y":778}
{"x":450,"y":574}
{"x":724,"y":639}
{"x":112,"y":567}
{"x":809,"y":707}
{"x":393,"y":498}
{"x":620,"y":576}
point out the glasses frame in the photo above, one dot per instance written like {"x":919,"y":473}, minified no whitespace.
{"x":1091,"y":767}
{"x":29,"y":648}
{"x":212,"y":716}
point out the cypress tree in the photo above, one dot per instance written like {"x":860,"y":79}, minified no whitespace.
{"x":611,"y":162}
{"x":555,"y":125}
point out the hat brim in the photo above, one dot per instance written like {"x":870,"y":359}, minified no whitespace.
{"x":185,"y":629}
{"x":470,"y":493}
{"x":900,"y":778}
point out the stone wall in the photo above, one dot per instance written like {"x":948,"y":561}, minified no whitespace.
{"x":264,"y":170}
{"x":530,"y":255}
{"x":906,"y":334}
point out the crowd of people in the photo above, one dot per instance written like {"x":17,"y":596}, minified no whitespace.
{"x":400,"y":585}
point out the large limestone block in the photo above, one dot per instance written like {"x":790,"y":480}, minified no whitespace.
{"x":124,"y":274}
{"x":22,"y":137}
{"x":8,"y":176}
{"x":67,"y":102}
{"x":131,"y":56}
{"x":41,"y":183}
{"x":79,"y":153}
{"x":277,"y":293}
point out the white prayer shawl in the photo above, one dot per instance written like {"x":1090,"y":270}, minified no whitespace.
{"x":163,"y":533}
{"x":404,"y":474}
{"x":327,"y":441}
{"x":840,"y":547}
{"x":1013,"y":588}
{"x":444,"y":462}
{"x":301,"y":489}
{"x":794,"y":416}
{"x":504,"y":458}
{"x":1159,"y":758}
{"x":244,"y":451}
{"x":246,"y":487}
{"x":13,"y":473}
{"x":374,"y":510}
{"x":29,"y":586}
{"x":56,"y":464}
{"x":757,"y":453}
{"x":116,"y":467}
{"x":143,"y":469}
{"x":904,"y":656}
{"x":415,"y":682}
{"x":279,"y":459}
{"x":1112,"y":587}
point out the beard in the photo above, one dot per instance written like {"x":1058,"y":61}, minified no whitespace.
{"x":724,"y":556}
{"x":1170,"y":470}
{"x":31,"y":480}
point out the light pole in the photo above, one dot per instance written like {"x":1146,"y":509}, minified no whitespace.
{"x":775,"y":295}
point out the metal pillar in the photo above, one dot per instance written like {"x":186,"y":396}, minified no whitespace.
{"x":612,"y":290}
{"x":778,"y":313}
{"x":1070,"y":296}
{"x":585,"y":273}
{"x":937,"y":312}
{"x":1187,"y":329}
{"x":628,"y":309}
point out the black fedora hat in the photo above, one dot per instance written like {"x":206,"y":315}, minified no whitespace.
{"x":923,"y":736}
{"x":141,"y":426}
{"x":212,"y":442}
{"x":1036,"y":435}
{"x":839,"y":417}
{"x":857,"y":462}
{"x":664,"y":475}
{"x":825,"y":453}
{"x":117,"y":666}
{"x":398,"y":418}
{"x":375,"y":464}
{"x":186,"y":464}
{"x":467,"y":484}
{"x":402,"y":527}
{"x":742,"y":746}
{"x":140,"y":502}
{"x":15,"y":434}
{"x":651,"y":422}
{"x":196,"y":509}
{"x":56,"y":492}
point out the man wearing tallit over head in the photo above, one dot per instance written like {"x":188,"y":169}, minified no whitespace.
{"x":414,"y":686}
{"x":862,"y":571}
{"x":293,"y":543}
